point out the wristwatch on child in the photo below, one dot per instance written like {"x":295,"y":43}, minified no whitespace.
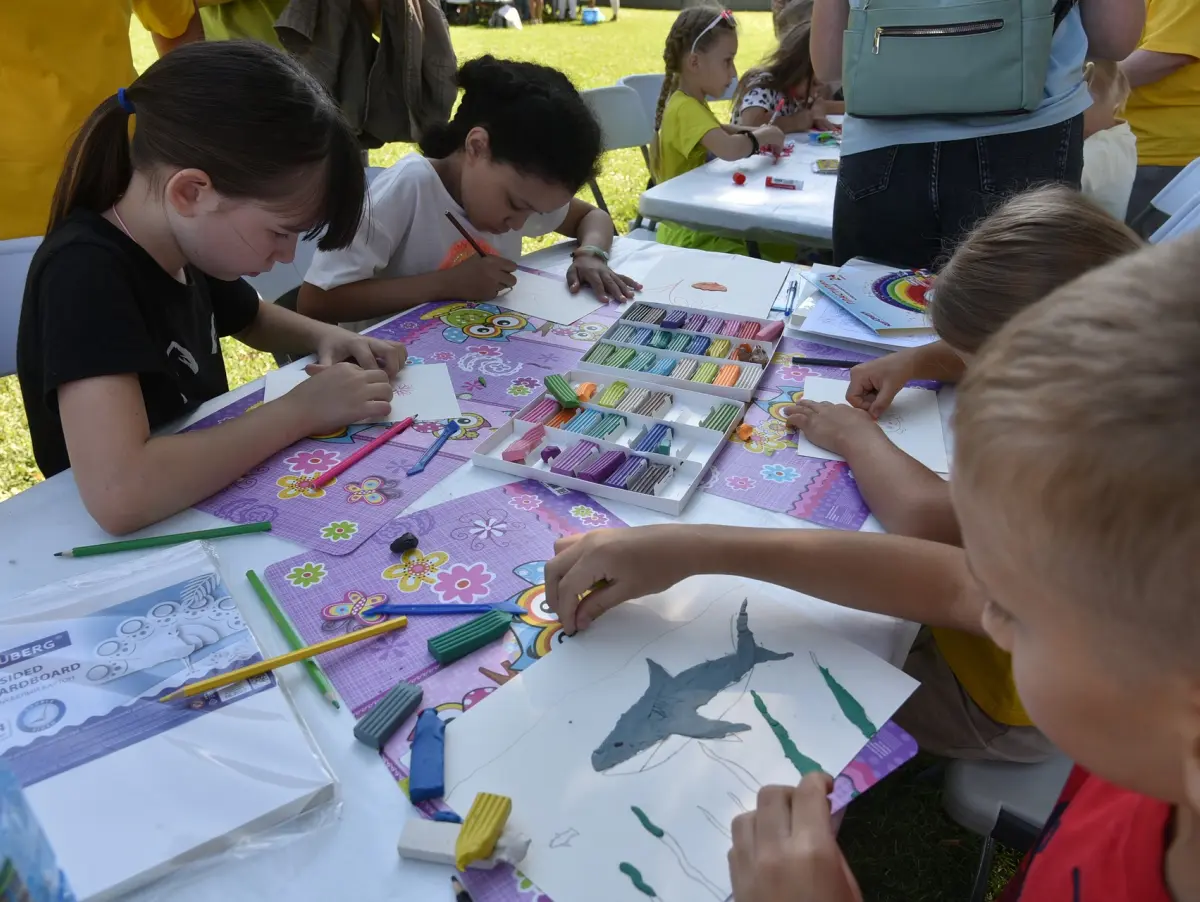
{"x":592,"y":250}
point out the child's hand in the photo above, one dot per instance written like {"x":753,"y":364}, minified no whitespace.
{"x":608,"y":285}
{"x":874,"y":384}
{"x":785,"y":850}
{"x":834,"y":427}
{"x":769,"y":136}
{"x":336,"y":345}
{"x":338,"y":395}
{"x":630,"y":562}
{"x":480,"y":278}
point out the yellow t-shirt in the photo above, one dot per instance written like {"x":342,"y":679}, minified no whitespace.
{"x":54,"y":70}
{"x":1165,"y":115}
{"x":685,"y":122}
{"x":231,"y":19}
{"x":985,"y":672}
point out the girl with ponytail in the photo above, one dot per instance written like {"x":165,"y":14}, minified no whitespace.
{"x":205,"y":169}
{"x":506,"y":167}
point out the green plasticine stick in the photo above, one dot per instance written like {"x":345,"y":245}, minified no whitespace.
{"x":474,"y":634}
{"x":848,"y":703}
{"x":803,"y":763}
{"x":636,"y":876}
{"x":651,"y":827}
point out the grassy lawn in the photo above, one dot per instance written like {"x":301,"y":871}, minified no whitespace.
{"x":901,"y":846}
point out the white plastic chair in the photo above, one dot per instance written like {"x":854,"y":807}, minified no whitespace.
{"x":623,"y":123}
{"x":1183,"y":220}
{"x":1006,"y":803}
{"x":648,"y":87}
{"x":1171,"y":199}
{"x":15,"y":257}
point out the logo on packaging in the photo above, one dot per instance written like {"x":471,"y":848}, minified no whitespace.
{"x":19,"y":654}
{"x":41,"y":715}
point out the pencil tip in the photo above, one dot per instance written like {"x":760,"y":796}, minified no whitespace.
{"x":59,"y":553}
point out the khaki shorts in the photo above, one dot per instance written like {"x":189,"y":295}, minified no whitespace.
{"x":945,"y":721}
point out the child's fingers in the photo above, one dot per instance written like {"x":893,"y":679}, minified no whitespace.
{"x":773,"y":823}
{"x":573,"y":279}
{"x":389,"y":355}
{"x":810,"y":804}
{"x":563,"y":603}
{"x":363,"y":355}
{"x":375,"y":410}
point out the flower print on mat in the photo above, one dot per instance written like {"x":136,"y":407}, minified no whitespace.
{"x":300,"y":487}
{"x":491,"y":527}
{"x":525,"y":502}
{"x":352,"y":612}
{"x":312,"y":461}
{"x":306,"y":575}
{"x":339,"y":531}
{"x":463,"y":583}
{"x":780,"y":473}
{"x":416,"y":569}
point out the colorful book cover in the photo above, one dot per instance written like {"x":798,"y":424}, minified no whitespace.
{"x":890,"y":301}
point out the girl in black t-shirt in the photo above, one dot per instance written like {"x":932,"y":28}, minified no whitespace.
{"x":235,"y":152}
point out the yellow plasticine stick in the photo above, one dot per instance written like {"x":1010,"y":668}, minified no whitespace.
{"x":481,"y":829}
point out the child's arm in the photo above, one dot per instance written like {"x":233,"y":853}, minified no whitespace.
{"x":737,"y":145}
{"x":280,"y":331}
{"x":129,"y":479}
{"x":905,"y":496}
{"x":874,"y":384}
{"x":593,"y":228}
{"x":925,"y":582}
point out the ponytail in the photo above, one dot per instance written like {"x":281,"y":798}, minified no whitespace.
{"x":98,"y":166}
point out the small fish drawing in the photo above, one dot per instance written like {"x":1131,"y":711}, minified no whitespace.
{"x":709,"y":286}
{"x":670,"y":704}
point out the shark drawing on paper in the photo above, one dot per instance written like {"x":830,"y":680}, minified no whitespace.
{"x":670,"y":705}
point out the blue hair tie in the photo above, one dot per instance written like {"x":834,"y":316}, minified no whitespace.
{"x":125,"y":103}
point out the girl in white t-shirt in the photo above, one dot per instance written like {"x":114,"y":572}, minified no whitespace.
{"x":1109,"y":144}
{"x":507,"y":166}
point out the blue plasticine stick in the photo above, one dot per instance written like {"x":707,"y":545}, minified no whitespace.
{"x":427,"y":779}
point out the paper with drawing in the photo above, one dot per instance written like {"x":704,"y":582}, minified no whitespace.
{"x":423,"y":391}
{"x":725,"y":283}
{"x":629,"y":751}
{"x":913,"y":423}
{"x":544,"y":295}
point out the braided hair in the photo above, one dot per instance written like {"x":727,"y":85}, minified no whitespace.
{"x":688,"y":25}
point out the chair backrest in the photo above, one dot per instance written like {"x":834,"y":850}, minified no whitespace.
{"x":622,"y":120}
{"x":1181,"y":189}
{"x":15,"y":256}
{"x":1186,"y":219}
{"x":648,"y":87}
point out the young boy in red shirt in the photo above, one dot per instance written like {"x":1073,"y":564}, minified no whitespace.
{"x":1077,"y":488}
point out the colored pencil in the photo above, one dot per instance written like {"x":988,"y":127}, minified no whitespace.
{"x":460,"y":891}
{"x":458,"y":225}
{"x":293,"y":638}
{"x":301,"y":654}
{"x":177,"y":539}
{"x":825,"y":361}
{"x":328,"y":476}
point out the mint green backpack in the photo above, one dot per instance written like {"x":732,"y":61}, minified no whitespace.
{"x":948,"y":57}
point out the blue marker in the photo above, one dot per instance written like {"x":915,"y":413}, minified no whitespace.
{"x":419,"y":466}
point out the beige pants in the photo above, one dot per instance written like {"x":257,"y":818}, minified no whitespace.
{"x":945,"y":721}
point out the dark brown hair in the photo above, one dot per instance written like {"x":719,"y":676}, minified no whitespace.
{"x":687,"y":27}
{"x":243,"y":112}
{"x":1032,"y":244}
{"x":789,"y":67}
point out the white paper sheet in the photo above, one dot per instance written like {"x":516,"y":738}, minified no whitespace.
{"x":670,"y":276}
{"x":544,"y":295}
{"x":827,"y":320}
{"x":533,"y":741}
{"x":423,"y":391}
{"x":913,"y":423}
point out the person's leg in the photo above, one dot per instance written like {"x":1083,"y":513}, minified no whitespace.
{"x":616,"y":8}
{"x":1146,"y":184}
{"x":975,"y":175}
{"x":883,"y":207}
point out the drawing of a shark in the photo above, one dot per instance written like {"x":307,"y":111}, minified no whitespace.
{"x":670,"y":704}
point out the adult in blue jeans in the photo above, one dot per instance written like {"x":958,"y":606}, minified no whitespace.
{"x":909,"y":188}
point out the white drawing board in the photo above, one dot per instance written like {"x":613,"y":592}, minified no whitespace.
{"x":672,"y":276}
{"x":544,"y":295}
{"x":423,"y":391}
{"x":541,"y":736}
{"x":913,"y":423}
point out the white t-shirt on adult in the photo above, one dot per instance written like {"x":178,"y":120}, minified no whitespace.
{"x":405,"y":232}
{"x":1109,"y":168}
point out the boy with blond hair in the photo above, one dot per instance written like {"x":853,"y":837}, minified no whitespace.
{"x":1078,"y":494}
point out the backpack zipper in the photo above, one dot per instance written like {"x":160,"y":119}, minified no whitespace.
{"x":936,"y":31}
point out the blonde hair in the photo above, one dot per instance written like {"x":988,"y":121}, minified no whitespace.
{"x":1030,"y":245}
{"x":1107,"y":83}
{"x":1086,"y":406}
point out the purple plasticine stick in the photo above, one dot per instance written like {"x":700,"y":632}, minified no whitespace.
{"x":695,"y":322}
{"x":627,"y":472}
{"x":603,"y":466}
{"x":674,"y":320}
{"x":574,"y":460}
{"x":550,"y":452}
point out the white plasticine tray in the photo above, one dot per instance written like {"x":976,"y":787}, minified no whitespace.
{"x":693,"y":447}
{"x":743,"y":391}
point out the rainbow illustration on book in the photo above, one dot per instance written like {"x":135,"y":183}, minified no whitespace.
{"x":890,"y":301}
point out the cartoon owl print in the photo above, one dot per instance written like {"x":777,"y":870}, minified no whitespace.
{"x":481,"y":322}
{"x":470,"y":426}
{"x":537,"y":631}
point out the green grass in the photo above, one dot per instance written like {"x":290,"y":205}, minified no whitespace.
{"x":902,"y":847}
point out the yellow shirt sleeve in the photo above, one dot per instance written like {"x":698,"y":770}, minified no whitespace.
{"x":690,"y":121}
{"x":168,"y":18}
{"x":1172,"y":26}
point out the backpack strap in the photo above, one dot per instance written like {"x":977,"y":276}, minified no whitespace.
{"x":1061,"y":9}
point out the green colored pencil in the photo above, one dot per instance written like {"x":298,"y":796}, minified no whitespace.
{"x":178,"y":539}
{"x":293,"y":638}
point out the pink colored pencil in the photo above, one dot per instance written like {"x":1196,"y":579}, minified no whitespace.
{"x":328,"y":476}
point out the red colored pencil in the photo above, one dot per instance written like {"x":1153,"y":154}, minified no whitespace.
{"x":326,"y":477}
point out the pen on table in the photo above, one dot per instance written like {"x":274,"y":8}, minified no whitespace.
{"x":176,"y":539}
{"x":460,"y":891}
{"x":382,"y":439}
{"x":222,"y":680}
{"x":293,"y":638}
{"x":825,"y":361}
{"x":791,"y":301}
{"x":458,"y":225}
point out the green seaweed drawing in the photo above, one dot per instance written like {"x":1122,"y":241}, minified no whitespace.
{"x":853,"y":711}
{"x":802,"y":762}
{"x":636,"y":876}
{"x":650,"y":826}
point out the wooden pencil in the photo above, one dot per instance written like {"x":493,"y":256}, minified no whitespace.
{"x":156,"y":541}
{"x":458,"y":225}
{"x":301,"y":654}
{"x":324,"y":686}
